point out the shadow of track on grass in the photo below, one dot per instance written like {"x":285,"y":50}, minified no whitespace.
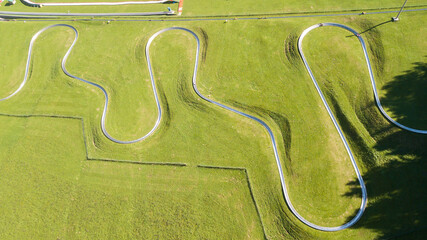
{"x":187,"y":96}
{"x":358,"y":143}
{"x":291,"y":49}
{"x":375,"y":26}
{"x":397,"y":188}
{"x":375,"y":44}
{"x":282,"y":124}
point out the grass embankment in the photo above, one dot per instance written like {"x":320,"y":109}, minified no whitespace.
{"x":48,"y":191}
{"x":246,"y":66}
{"x":393,"y":159}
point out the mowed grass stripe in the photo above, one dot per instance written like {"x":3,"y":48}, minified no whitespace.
{"x":86,"y":200}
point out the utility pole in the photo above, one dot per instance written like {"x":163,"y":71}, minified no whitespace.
{"x":395,"y":19}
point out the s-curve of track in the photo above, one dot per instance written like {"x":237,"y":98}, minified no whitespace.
{"x":378,"y":103}
{"x":371,"y":74}
{"x":194,"y":78}
{"x":64,"y":61}
{"x":270,"y":132}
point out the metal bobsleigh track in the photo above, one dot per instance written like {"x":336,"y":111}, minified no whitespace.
{"x":64,"y":60}
{"x":270,"y":133}
{"x":371,"y":74}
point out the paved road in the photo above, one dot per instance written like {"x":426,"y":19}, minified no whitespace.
{"x":37,"y":14}
{"x":34,"y":4}
{"x":9,"y":14}
{"x":270,"y":133}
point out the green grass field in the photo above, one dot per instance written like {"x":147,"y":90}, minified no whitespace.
{"x":57,"y":194}
{"x":62,"y":178}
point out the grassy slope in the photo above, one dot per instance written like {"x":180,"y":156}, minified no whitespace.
{"x":392,"y":159}
{"x":48,"y":190}
{"x":245,"y":66}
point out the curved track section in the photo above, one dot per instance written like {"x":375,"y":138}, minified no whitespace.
{"x":30,"y":49}
{"x":371,"y":75}
{"x":28,"y":2}
{"x":64,"y":60}
{"x":194,"y":78}
{"x":273,"y":142}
